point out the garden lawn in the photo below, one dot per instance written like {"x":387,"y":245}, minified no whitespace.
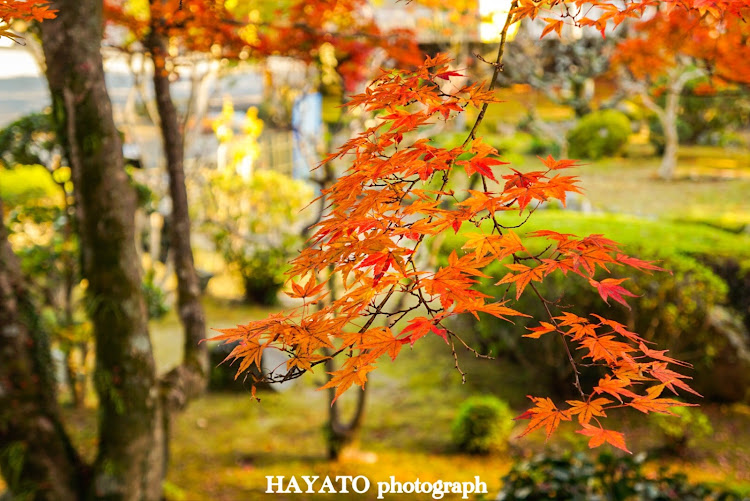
{"x":711,"y":184}
{"x":225,"y":444}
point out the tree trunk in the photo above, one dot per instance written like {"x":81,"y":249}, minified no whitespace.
{"x":678,"y":78}
{"x":129,"y":462}
{"x":341,"y":436}
{"x":37,"y":459}
{"x":72,"y":377}
{"x":671,"y":138}
{"x":190,"y":310}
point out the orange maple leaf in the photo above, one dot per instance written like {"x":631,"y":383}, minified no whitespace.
{"x":651,"y":403}
{"x":310,"y":289}
{"x":605,"y":348}
{"x":544,"y":413}
{"x":587,"y":410}
{"x":379,"y":341}
{"x":553,"y":164}
{"x":639,"y":264}
{"x":420,"y":327}
{"x":523,"y":277}
{"x":599,"y":436}
{"x":537,"y":332}
{"x":250,"y":352}
{"x":615,"y":387}
{"x":670,"y":378}
{"x":350,"y":374}
{"x":659,"y":355}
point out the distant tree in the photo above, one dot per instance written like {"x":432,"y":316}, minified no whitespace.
{"x":194,"y":25}
{"x":564,"y":70}
{"x":675,"y":47}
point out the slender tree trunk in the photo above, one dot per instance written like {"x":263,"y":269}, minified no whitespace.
{"x":72,"y":376}
{"x":671,"y":138}
{"x":129,"y":462}
{"x":340,"y":435}
{"x":190,"y":310}
{"x":678,"y":78}
{"x":37,"y":459}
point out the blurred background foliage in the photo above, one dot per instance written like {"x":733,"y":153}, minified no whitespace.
{"x":420,"y":420}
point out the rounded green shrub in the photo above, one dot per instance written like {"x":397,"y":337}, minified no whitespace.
{"x":599,"y":134}
{"x":483,"y":425}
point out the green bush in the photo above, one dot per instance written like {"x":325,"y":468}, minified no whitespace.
{"x":263,"y":274}
{"x":575,"y":477}
{"x":599,"y":134}
{"x":688,"y":423}
{"x":483,"y":425}
{"x":27,"y":184}
{"x":255,"y":224}
{"x":677,"y":310}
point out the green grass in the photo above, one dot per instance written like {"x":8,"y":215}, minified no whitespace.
{"x":673,"y":237}
{"x":704,"y":190}
{"x":225,"y":444}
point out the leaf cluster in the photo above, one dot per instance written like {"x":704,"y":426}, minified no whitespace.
{"x":395,"y":198}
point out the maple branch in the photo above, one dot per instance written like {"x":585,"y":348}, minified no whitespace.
{"x":455,"y":360}
{"x":498,"y":68}
{"x":472,"y":135}
{"x":475,"y":352}
{"x":576,"y":372}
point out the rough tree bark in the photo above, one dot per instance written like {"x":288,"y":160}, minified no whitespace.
{"x":37,"y":459}
{"x":192,"y":374}
{"x":129,"y":464}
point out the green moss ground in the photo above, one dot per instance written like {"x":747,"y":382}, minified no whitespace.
{"x":225,"y":444}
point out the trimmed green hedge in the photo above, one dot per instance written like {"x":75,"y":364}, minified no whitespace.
{"x":677,"y":310}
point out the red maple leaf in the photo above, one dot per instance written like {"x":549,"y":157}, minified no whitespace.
{"x":610,"y":287}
